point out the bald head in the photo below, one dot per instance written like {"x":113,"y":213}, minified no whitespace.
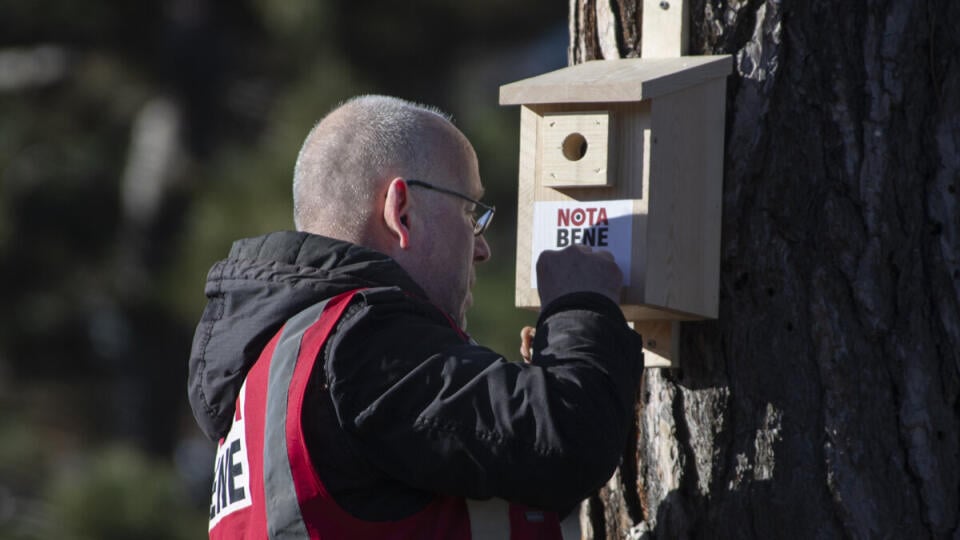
{"x":352,"y":153}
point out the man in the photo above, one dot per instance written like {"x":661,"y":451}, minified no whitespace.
{"x":332,"y":363}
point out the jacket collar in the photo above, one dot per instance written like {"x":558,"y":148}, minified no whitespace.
{"x":263,"y":282}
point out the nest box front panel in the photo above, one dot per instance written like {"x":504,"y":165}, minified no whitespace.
{"x":573,"y":148}
{"x":588,"y":191}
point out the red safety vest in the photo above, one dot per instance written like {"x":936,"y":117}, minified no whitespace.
{"x":265,"y":485}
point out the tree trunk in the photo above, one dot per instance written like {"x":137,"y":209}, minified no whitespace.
{"x":823,"y":403}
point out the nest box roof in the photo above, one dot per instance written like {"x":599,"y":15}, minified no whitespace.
{"x":619,"y":80}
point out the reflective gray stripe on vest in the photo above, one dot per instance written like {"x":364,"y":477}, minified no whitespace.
{"x":490,"y":519}
{"x":284,"y":520}
{"x":570,"y":526}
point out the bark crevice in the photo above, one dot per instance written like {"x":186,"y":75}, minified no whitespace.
{"x":825,"y":401}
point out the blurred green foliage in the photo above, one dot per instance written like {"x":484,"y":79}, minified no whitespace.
{"x":103,"y":266}
{"x":118,"y":493}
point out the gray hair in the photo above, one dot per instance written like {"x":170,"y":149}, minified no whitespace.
{"x":351,"y":153}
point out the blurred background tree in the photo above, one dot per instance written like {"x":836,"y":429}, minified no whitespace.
{"x":138,"y":141}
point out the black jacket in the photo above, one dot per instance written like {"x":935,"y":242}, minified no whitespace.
{"x":406,"y":406}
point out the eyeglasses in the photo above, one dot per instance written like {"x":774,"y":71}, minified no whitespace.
{"x":480,"y":223}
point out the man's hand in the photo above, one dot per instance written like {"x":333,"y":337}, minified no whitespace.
{"x":526,"y":342}
{"x":577,"y":268}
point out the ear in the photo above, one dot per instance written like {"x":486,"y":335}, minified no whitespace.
{"x":396,"y":210}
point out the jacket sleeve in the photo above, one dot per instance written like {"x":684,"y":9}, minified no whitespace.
{"x":451,"y":417}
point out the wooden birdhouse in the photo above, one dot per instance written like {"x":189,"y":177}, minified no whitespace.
{"x":626,"y":155}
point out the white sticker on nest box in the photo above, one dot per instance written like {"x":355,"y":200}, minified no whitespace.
{"x":605,"y":225}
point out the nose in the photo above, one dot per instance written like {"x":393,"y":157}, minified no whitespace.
{"x":481,"y":249}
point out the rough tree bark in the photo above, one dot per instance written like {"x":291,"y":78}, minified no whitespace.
{"x":824,"y":401}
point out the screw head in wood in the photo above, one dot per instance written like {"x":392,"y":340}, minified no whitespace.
{"x":664,"y":4}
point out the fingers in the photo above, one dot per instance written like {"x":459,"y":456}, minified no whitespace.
{"x":526,"y":342}
{"x":604,"y":254}
{"x":587,"y":249}
{"x":577,"y":268}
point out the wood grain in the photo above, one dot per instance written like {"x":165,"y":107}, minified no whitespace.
{"x":619,"y":80}
{"x":664,"y":28}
